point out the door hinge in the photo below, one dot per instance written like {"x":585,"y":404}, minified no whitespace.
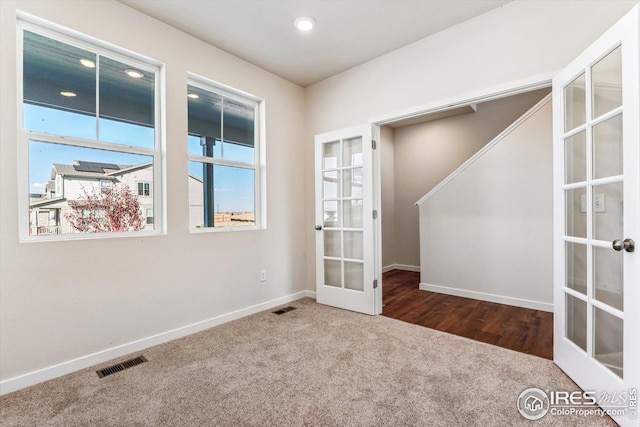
{"x":373,"y":144}
{"x":375,"y":214}
{"x":375,"y":283}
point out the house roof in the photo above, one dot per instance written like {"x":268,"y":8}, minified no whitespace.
{"x":195,"y":178}
{"x":48,"y":203}
{"x":93,"y":170}
{"x":126,"y":169}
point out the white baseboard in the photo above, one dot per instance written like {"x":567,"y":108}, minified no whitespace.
{"x":12,"y":384}
{"x":404,"y":267}
{"x":501,"y":299}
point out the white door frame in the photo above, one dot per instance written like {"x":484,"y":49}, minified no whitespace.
{"x":529,"y":84}
{"x":517,"y":87}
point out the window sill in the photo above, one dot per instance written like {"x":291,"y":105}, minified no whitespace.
{"x":89,"y":236}
{"x":205,"y":230}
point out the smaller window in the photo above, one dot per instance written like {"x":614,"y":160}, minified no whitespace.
{"x":149,"y":216}
{"x":224,"y":157}
{"x":105,"y":185}
{"x":144,"y":189}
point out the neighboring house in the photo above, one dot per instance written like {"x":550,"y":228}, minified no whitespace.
{"x":196,"y":202}
{"x":69,"y":183}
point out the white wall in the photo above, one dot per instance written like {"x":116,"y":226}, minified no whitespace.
{"x":489,"y":231}
{"x":425,"y":153}
{"x":118,"y":290}
{"x":511,"y":43}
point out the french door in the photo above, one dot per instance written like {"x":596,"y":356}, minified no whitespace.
{"x":345,"y":220}
{"x":597,"y":218}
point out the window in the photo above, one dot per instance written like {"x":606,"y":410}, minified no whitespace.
{"x":105,"y":185}
{"x":90,"y":120}
{"x":224,"y":157}
{"x":144,"y":189}
{"x":149,"y":216}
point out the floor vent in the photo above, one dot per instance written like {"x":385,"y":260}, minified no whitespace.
{"x":284,"y":310}
{"x":121,"y":366}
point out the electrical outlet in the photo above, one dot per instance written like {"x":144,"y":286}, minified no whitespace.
{"x":263,"y":275}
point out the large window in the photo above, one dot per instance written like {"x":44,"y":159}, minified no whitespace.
{"x":89,"y":138}
{"x":224,"y":158}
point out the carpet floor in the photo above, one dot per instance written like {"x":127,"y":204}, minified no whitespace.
{"x":315,"y":365}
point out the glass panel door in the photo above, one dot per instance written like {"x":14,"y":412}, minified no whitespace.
{"x":344,"y":224}
{"x":597,"y":211}
{"x":594,"y":195}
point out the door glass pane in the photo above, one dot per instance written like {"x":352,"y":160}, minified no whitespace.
{"x":607,"y":148}
{"x":333,"y":273}
{"x":332,"y":244}
{"x":330,"y":185}
{"x":353,"y":244}
{"x":607,"y":213}
{"x":574,"y":104}
{"x":608,"y":340}
{"x":354,"y":276}
{"x":352,"y":181}
{"x":352,"y":214}
{"x":576,"y":321}
{"x":576,"y":267}
{"x":607,"y":265}
{"x":352,"y":152}
{"x":576,"y":208}
{"x":575,"y":158}
{"x":330,"y":152}
{"x":331,"y":213}
{"x":606,"y":77}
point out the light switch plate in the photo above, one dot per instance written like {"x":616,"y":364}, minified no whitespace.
{"x":599,"y":202}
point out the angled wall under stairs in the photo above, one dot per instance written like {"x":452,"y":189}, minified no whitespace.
{"x":486,"y":231}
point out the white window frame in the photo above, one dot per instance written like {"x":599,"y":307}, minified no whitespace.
{"x":259,"y":164}
{"x":53,"y":31}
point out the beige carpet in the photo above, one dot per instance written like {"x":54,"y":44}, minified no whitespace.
{"x":315,"y":365}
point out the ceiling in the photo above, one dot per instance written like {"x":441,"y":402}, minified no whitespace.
{"x":348,"y":32}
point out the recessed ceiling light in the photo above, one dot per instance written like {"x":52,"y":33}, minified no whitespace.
{"x":135,"y":74}
{"x":88,"y":63}
{"x":304,"y":23}
{"x":68,"y":94}
{"x":193,"y":95}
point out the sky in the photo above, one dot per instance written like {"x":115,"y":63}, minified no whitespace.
{"x":234,"y":187}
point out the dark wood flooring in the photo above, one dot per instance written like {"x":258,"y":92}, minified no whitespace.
{"x":520,"y":329}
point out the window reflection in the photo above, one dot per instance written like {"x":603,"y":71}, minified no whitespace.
{"x":220,"y":127}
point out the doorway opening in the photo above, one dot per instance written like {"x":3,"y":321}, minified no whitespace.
{"x":468,"y":155}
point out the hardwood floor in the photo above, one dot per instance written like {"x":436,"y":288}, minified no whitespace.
{"x":520,"y":329}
